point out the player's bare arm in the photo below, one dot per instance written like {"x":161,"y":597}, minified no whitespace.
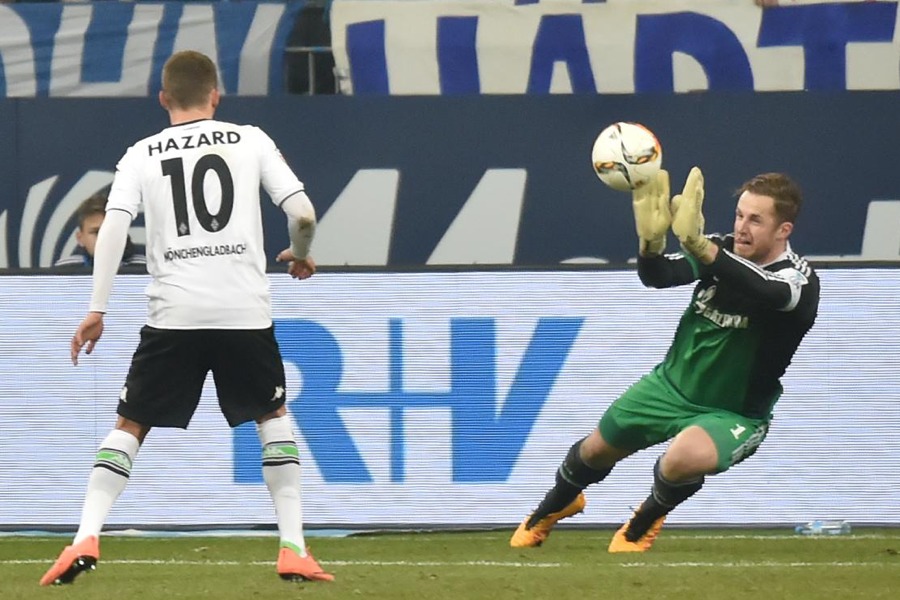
{"x":301,"y":229}
{"x":87,"y":335}
{"x":107,"y":256}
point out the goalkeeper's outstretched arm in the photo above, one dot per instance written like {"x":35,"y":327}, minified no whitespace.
{"x":779,"y":290}
{"x":665,"y":271}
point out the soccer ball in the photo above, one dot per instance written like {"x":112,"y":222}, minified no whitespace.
{"x":626,"y":156}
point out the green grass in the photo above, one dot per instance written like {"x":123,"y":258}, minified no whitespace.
{"x":684,"y":564}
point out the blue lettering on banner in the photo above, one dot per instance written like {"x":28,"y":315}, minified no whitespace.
{"x":824,"y":31}
{"x":41,"y":44}
{"x":486,"y":441}
{"x":702,"y":30}
{"x":560,"y":38}
{"x":102,"y":54}
{"x":457,"y":56}
{"x":709,"y":41}
{"x":235,"y":24}
{"x":368,"y":62}
{"x":36,"y":23}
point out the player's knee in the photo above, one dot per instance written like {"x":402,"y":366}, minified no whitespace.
{"x":576,"y":471}
{"x":136,"y":429}
{"x":686,"y":463}
{"x":693,"y":454}
{"x":597,"y":452}
{"x":669,"y":493}
{"x":279,"y":412}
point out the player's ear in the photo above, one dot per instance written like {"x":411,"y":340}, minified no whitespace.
{"x":163,"y":100}
{"x":784,"y":230}
{"x":214,"y":97}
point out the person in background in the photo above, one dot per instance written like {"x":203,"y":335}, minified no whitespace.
{"x":712,"y":395}
{"x":90,"y":215}
{"x":209,"y":308}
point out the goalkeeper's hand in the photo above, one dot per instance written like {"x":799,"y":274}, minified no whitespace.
{"x":687,"y":215}
{"x":652,"y":216}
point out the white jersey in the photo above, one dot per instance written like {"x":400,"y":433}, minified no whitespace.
{"x":198,"y":183}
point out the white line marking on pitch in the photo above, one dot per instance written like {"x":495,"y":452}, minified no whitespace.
{"x":767,"y":564}
{"x":474,"y":563}
{"x":343,"y":563}
{"x":424,"y":537}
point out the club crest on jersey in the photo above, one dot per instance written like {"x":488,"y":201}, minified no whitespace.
{"x":702,"y":306}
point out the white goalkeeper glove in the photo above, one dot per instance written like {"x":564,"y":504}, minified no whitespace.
{"x":652,"y":216}
{"x":687,"y":215}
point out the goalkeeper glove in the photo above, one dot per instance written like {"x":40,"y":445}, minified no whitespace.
{"x":652,"y":216}
{"x":687,"y":215}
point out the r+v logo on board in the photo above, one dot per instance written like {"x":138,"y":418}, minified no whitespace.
{"x":486,"y":441}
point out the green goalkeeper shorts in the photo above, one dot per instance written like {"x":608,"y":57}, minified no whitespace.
{"x":652,"y":411}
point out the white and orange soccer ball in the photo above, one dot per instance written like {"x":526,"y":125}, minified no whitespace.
{"x":626,"y":156}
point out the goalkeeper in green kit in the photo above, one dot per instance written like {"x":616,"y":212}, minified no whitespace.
{"x":713,"y":394}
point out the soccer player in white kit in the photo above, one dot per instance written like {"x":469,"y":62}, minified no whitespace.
{"x":209,"y":308}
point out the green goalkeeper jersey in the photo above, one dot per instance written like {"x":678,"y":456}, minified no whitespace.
{"x":741,"y":329}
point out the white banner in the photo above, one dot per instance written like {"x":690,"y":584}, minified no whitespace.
{"x":446,"y":398}
{"x":89,"y":49}
{"x":458,"y":47}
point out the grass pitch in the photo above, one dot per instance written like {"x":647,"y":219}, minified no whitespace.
{"x":683,"y":564}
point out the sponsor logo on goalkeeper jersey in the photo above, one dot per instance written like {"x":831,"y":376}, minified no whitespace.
{"x":488,"y":428}
{"x":703,"y":308}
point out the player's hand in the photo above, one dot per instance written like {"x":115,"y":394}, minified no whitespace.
{"x":652,"y":216}
{"x":298,"y":268}
{"x":687,"y":215}
{"x":87,"y":334}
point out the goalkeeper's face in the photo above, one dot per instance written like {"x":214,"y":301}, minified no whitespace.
{"x":759,"y":236}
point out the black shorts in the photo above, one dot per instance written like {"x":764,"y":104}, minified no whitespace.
{"x":170,"y":365}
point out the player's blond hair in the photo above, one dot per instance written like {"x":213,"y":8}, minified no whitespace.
{"x":188,"y":79}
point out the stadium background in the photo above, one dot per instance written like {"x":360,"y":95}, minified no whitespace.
{"x":477,"y":309}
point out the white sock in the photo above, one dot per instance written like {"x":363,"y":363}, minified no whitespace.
{"x":281,"y":472}
{"x":112,"y":467}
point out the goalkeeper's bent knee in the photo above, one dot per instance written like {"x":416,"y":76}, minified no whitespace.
{"x":575,"y":471}
{"x":669,"y":494}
